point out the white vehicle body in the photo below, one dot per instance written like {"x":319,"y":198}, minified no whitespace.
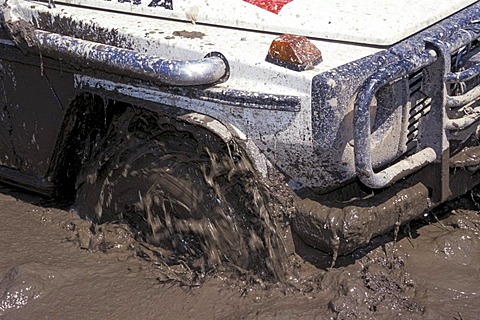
{"x":375,"y":22}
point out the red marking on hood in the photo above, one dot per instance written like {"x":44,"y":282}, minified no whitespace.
{"x":271,"y":5}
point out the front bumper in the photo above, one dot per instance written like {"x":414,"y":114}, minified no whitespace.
{"x":436,"y":152}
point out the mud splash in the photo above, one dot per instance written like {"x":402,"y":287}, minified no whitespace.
{"x":60,"y":266}
{"x":194,"y":201}
{"x":193,"y":207}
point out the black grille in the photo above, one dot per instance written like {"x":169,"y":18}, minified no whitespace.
{"x":420,"y":103}
{"x":419,"y":107}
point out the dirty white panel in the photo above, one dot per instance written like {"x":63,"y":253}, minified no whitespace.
{"x":377,"y":22}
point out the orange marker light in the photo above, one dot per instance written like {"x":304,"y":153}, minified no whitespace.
{"x":294,"y":52}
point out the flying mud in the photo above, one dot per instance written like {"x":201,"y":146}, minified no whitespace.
{"x":184,"y":191}
{"x":55,"y":264}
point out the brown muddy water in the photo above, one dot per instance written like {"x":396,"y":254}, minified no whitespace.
{"x":54,"y":265}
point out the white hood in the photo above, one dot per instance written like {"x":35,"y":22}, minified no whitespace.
{"x":375,"y":22}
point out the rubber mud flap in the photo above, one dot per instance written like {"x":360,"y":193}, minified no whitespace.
{"x":342,"y":228}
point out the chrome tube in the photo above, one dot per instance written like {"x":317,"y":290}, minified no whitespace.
{"x":211,"y":69}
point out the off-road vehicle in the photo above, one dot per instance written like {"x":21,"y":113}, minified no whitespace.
{"x":358,"y":116}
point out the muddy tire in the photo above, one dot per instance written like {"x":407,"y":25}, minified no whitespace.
{"x":183,"y":189}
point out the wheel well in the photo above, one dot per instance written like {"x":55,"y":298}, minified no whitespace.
{"x":88,"y":118}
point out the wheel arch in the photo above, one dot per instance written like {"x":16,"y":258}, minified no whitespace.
{"x":229,"y":132}
{"x":90,"y":114}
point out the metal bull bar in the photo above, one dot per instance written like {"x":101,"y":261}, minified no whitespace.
{"x":433,"y":145}
{"x":213,"y":68}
